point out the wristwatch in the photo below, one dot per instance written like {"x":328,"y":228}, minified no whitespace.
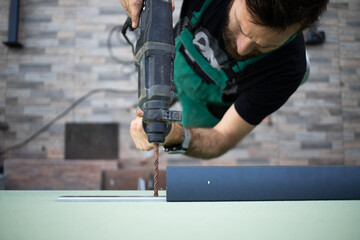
{"x":181,"y":148}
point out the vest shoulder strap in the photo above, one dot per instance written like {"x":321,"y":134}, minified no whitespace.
{"x":196,"y":16}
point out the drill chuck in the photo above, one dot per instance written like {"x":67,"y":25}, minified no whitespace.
{"x":157,"y":120}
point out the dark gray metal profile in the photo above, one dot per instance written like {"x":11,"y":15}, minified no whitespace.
{"x":263,"y":183}
{"x":13,"y":25}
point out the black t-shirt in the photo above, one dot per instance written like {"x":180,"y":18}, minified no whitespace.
{"x":264,"y":86}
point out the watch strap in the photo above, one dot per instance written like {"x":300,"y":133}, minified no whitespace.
{"x":186,"y":142}
{"x":181,"y":148}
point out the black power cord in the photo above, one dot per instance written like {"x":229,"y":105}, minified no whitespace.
{"x":127,"y":25}
{"x":61,"y":115}
{"x":118,"y":30}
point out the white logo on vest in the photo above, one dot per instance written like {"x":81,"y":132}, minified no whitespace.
{"x":201,"y":40}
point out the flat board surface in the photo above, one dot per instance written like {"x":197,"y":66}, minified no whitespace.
{"x":38,"y":215}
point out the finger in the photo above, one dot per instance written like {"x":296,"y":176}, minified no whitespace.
{"x":141,"y":142}
{"x":139,"y":136}
{"x":146,"y":147}
{"x":173,"y":5}
{"x":135,"y":12}
{"x":137,"y":127}
{"x":139,"y":113}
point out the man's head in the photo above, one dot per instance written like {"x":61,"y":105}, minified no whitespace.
{"x":255,"y":27}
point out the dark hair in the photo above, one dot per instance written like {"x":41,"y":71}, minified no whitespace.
{"x":281,"y":14}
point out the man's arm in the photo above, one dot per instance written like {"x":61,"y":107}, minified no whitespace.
{"x":205,"y":143}
{"x":212,"y":142}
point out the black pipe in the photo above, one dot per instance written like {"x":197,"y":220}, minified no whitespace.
{"x":13,"y":25}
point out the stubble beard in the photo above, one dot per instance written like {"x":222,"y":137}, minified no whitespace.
{"x":230,"y":41}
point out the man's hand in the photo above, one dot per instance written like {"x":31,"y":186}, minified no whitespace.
{"x":140,"y":138}
{"x":206,"y":143}
{"x":133,"y":9}
{"x":138,"y":134}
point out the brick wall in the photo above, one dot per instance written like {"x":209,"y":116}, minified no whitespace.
{"x":65,"y":56}
{"x":55,"y":174}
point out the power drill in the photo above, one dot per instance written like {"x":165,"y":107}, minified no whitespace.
{"x":154,"y":59}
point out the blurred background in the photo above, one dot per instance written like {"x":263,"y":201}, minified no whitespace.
{"x":67,"y":99}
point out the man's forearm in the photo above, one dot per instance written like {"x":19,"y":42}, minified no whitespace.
{"x":206,"y":143}
{"x":209,"y":143}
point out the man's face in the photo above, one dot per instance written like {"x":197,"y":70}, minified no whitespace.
{"x":245,"y":40}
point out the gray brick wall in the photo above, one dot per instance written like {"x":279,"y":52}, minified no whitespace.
{"x":65,"y":56}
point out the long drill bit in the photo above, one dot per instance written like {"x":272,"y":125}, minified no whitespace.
{"x":156,"y":169}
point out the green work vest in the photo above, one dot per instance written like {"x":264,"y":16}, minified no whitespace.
{"x":193,"y":92}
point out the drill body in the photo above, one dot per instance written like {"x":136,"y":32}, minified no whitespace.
{"x":154,"y":59}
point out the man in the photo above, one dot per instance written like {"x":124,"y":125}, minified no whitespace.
{"x":237,"y":61}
